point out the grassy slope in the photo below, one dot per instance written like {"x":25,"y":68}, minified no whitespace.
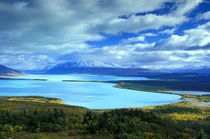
{"x":47,"y":103}
{"x":32,"y":99}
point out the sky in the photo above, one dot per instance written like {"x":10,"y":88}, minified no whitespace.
{"x":153,"y":34}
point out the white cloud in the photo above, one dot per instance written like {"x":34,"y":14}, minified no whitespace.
{"x":137,"y":39}
{"x":185,"y":6}
{"x":168,"y":31}
{"x":26,"y":61}
{"x":133,"y":39}
{"x":135,"y":23}
{"x":205,"y":16}
{"x":193,"y":38}
{"x":148,"y":34}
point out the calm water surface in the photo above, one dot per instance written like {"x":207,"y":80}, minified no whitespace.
{"x":92,"y":95}
{"x":80,"y":77}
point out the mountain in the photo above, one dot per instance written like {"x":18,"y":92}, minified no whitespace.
{"x":38,"y":71}
{"x":81,"y":68}
{"x":198,"y":70}
{"x":5,"y":71}
{"x":90,"y":68}
{"x":204,"y":70}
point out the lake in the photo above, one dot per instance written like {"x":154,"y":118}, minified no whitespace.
{"x":93,"y":95}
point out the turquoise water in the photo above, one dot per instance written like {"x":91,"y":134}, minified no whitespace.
{"x":92,"y":95}
{"x":79,"y":77}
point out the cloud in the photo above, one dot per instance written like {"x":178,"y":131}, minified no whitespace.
{"x":46,"y":26}
{"x":27,"y":61}
{"x":189,"y":50}
{"x":193,"y":38}
{"x":148,"y":34}
{"x":131,"y":57}
{"x":205,"y":16}
{"x":184,"y":7}
{"x":168,"y":31}
{"x":137,"y":39}
{"x":133,"y":39}
{"x":36,"y":33}
{"x":135,"y":23}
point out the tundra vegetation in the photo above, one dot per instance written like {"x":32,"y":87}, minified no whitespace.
{"x":30,"y":119}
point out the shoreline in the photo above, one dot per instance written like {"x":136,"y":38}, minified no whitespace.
{"x":183,"y":96}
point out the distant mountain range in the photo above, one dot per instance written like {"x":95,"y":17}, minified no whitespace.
{"x":87,"y":68}
{"x":5,"y":71}
{"x":199,"y":70}
{"x":78,"y":68}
